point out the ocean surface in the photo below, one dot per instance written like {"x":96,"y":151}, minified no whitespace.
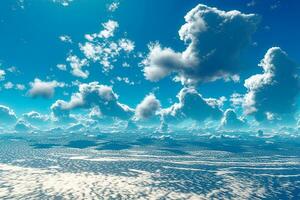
{"x":149,"y":166}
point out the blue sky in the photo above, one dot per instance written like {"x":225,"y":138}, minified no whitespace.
{"x":40,"y":40}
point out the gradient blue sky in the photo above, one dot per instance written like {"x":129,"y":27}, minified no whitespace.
{"x":30,"y":42}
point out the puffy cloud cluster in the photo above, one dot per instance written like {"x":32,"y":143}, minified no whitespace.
{"x":103,"y":104}
{"x":272,"y":94}
{"x":100,"y":48}
{"x":109,"y":28}
{"x":192,"y":106}
{"x":9,"y":85}
{"x":148,"y":108}
{"x":44,"y":89}
{"x":90,"y":96}
{"x":231,"y":121}
{"x":27,"y":122}
{"x":7,"y":116}
{"x":106,"y":52}
{"x":215,"y":40}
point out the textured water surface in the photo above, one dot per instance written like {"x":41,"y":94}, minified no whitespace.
{"x":102,"y":166}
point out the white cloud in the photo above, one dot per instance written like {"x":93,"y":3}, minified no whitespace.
{"x":76,"y":127}
{"x":126,"y":45}
{"x":109,"y":28}
{"x":106,"y":52}
{"x":216,"y":102}
{"x":148,"y":108}
{"x":251,"y":3}
{"x":35,"y":118}
{"x":8,"y":85}
{"x":161,"y":62}
{"x":7,"y":115}
{"x":2,"y":75}
{"x":76,"y":65}
{"x":103,"y":48}
{"x":237,"y":100}
{"x":91,"y":51}
{"x":20,"y":87}
{"x":63,"y":2}
{"x":164,"y":127}
{"x":61,"y":112}
{"x":272,"y":94}
{"x":191,"y":106}
{"x":22,"y":126}
{"x":62,"y":67}
{"x":125,"y":64}
{"x":215,"y":39}
{"x":125,"y":80}
{"x":43,"y":89}
{"x":65,"y":38}
{"x":95,"y":113}
{"x":113,"y":6}
{"x":231,"y":121}
{"x":12,"y":69}
{"x":92,"y":95}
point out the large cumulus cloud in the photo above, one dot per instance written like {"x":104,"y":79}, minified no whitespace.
{"x":215,"y":39}
{"x":193,"y":106}
{"x":93,"y":95}
{"x":230,"y":120}
{"x":148,"y":108}
{"x":272,"y":94}
{"x":61,"y":111}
